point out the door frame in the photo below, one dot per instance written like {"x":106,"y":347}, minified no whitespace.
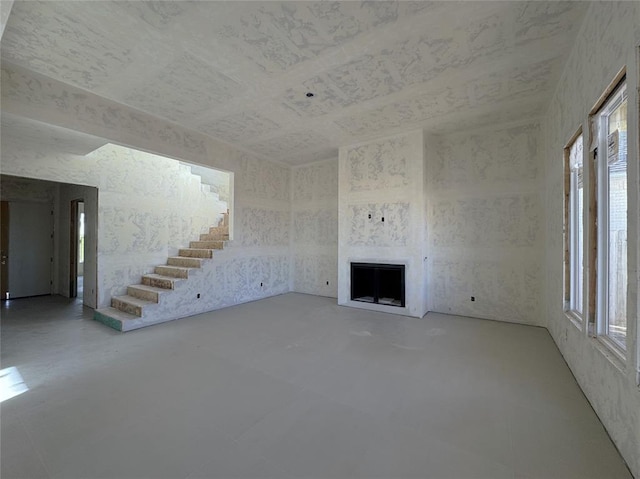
{"x":73,"y":248}
{"x":4,"y":249}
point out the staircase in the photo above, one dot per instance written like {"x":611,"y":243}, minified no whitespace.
{"x":137,"y":308}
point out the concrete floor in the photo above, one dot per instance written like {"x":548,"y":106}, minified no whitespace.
{"x":293,"y":386}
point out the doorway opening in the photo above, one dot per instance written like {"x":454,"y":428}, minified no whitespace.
{"x":52,"y":238}
{"x":4,"y":251}
{"x":76,"y":249}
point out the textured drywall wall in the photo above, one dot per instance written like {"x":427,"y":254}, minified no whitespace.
{"x":485,"y":228}
{"x":260,"y":251}
{"x":21,"y":189}
{"x":607,"y":41}
{"x":134,"y":228}
{"x":218,"y":180}
{"x":314,"y":226}
{"x":383,"y":178}
{"x":148,"y":207}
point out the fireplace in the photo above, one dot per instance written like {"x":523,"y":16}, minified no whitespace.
{"x":378,"y":283}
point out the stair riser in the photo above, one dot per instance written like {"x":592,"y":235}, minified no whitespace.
{"x":158,"y":283}
{"x":196,"y":253}
{"x":126,"y":307}
{"x":185,"y":262}
{"x":176,"y":273}
{"x":142,"y":294}
{"x":207,"y":244}
{"x":108,"y":321}
{"x":219,"y":230}
{"x":214,"y":237}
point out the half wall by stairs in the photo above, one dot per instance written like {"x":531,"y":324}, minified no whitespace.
{"x":143,"y":305}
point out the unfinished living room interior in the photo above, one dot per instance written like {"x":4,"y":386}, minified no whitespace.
{"x":318,"y":239}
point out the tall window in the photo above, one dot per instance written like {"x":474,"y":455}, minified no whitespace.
{"x":574,"y":227}
{"x":611,"y":157}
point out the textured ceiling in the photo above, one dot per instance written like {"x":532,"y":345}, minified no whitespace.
{"x":239,"y":71}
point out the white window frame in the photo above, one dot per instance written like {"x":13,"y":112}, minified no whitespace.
{"x":617,"y":96}
{"x":573,"y":309}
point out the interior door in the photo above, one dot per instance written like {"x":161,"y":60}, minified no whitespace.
{"x":30,"y":249}
{"x":4,"y":249}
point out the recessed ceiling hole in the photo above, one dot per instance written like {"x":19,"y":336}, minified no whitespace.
{"x":310,"y":94}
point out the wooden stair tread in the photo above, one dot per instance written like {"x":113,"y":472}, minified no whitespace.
{"x":195,"y":250}
{"x":202,"y":253}
{"x":173,"y":271}
{"x":162,"y":276}
{"x":214,"y":237}
{"x":151,"y":289}
{"x":133,"y":300}
{"x":210,"y":244}
{"x":197,"y":261}
{"x":175,"y":268}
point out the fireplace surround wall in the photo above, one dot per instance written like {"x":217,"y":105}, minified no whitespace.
{"x":381,"y":209}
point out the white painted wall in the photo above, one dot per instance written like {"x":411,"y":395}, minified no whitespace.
{"x":314,"y":238}
{"x":485,"y":219}
{"x":384,"y":178}
{"x":607,"y":41}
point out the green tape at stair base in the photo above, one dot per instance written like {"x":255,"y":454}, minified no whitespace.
{"x":108,"y":320}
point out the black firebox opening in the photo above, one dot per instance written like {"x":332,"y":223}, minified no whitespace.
{"x":378,"y":283}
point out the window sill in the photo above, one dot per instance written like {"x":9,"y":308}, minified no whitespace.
{"x":610,"y":351}
{"x":575,"y":318}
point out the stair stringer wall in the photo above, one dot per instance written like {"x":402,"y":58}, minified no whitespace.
{"x":149,"y":207}
{"x":229,"y":278}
